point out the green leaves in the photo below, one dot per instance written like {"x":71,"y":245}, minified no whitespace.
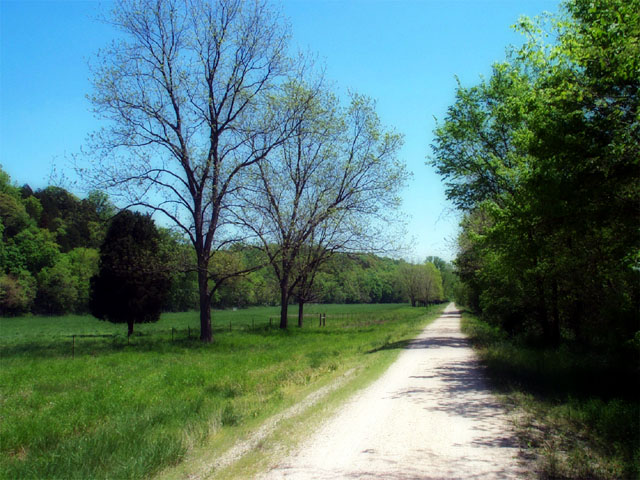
{"x":544,"y":159}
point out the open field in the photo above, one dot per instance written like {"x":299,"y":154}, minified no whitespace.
{"x":103,"y":408}
{"x":577,"y":412}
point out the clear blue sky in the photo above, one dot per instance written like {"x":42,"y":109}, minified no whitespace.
{"x":405,"y":54}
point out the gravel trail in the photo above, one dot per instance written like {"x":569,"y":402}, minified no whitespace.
{"x":431,"y":415}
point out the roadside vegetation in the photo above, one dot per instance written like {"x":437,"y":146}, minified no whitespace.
{"x":130,"y":408}
{"x":542,"y":159}
{"x":576,"y":412}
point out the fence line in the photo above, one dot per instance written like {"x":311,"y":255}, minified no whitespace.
{"x":175,"y":332}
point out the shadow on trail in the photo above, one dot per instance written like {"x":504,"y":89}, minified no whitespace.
{"x":423,"y":343}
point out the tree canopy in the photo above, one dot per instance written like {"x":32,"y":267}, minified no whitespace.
{"x":544,"y":159}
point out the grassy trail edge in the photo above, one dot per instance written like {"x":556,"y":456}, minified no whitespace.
{"x":245,"y":451}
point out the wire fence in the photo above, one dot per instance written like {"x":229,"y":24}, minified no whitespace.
{"x":188,"y":333}
{"x":256,"y":324}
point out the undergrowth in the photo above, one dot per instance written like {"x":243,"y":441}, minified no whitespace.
{"x":576,"y":411}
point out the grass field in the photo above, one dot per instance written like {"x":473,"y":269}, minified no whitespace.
{"x":98,"y":406}
{"x":578,"y":411}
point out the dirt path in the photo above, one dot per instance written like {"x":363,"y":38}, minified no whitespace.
{"x":430,"y":415}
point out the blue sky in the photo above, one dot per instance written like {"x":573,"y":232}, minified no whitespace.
{"x":403,"y":53}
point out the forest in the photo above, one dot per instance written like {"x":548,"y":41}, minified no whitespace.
{"x":543,"y":159}
{"x":50,"y":250}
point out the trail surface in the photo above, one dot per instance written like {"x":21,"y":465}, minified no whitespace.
{"x":431,"y":415}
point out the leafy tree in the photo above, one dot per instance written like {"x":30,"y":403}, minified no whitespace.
{"x":449,"y":278}
{"x":37,"y":248}
{"x":422,"y":283}
{"x":132,"y":280}
{"x":186,"y":91}
{"x":74,"y":222}
{"x":57,"y":289}
{"x":83,"y":265}
{"x":33,"y":207}
{"x":432,"y":291}
{"x":544,"y":158}
{"x":6,"y":186}
{"x":17,"y":292}
{"x":13,"y":214}
{"x":183,"y":289}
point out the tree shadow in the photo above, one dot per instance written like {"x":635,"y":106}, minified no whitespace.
{"x":423,"y":343}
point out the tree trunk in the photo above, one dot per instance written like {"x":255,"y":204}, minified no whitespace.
{"x":541,"y":313}
{"x":555,"y":315}
{"x":300,"y":312}
{"x":284,"y":304}
{"x":576,"y":318}
{"x":206,"y":335}
{"x":413,"y":301}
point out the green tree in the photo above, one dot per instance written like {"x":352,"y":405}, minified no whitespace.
{"x":449,"y":278}
{"x":132,"y":280}
{"x":13,"y":214}
{"x":37,"y":248}
{"x":17,"y":293}
{"x":57,"y":289}
{"x":544,"y":159}
{"x":422,"y":283}
{"x":83,"y":265}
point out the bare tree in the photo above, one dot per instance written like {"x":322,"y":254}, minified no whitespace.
{"x":186,"y":91}
{"x":326,"y":188}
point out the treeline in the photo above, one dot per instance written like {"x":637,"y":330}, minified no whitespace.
{"x":544,"y":159}
{"x":50,"y":250}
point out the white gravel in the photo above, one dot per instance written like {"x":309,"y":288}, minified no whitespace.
{"x":431,"y":415}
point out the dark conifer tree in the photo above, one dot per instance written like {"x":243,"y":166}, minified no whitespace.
{"x":132,"y":283}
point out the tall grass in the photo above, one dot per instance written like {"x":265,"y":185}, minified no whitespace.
{"x":578,"y":410}
{"x":128,"y":410}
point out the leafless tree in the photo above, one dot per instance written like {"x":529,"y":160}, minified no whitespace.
{"x":331,"y":186}
{"x":186,"y":91}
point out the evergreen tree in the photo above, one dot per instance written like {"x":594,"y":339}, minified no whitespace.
{"x":132,"y":282}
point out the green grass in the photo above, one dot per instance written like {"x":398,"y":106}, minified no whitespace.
{"x":577,"y":411}
{"x":130,"y":410}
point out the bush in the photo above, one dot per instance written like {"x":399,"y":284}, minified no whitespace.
{"x":17,"y":293}
{"x":57,"y":289}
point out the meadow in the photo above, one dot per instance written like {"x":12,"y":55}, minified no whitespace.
{"x":577,"y":411}
{"x":80,"y":400}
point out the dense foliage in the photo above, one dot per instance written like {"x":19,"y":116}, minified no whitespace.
{"x":133,"y":279}
{"x":48,"y":249}
{"x":544,"y":159}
